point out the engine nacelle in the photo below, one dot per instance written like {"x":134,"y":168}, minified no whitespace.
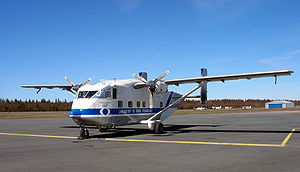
{"x":161,"y":87}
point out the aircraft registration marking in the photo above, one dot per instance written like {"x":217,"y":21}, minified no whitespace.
{"x":283,"y":144}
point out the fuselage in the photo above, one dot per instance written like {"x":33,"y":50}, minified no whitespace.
{"x":117,"y":102}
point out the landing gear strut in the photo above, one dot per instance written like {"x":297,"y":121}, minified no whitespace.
{"x":158,"y":128}
{"x":84,"y":133}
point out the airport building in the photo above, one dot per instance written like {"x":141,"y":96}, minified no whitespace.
{"x":279,"y":104}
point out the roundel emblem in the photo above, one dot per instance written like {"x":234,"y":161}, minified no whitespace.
{"x":105,"y":111}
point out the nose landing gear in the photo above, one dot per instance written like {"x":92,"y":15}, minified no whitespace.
{"x":84,"y":133}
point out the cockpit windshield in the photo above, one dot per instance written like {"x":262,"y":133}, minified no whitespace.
{"x":90,"y":94}
{"x":86,"y":94}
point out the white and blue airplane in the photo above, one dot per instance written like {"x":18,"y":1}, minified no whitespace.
{"x":112,"y":103}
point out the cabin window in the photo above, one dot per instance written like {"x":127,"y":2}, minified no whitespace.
{"x":130,"y":104}
{"x":138,"y":104}
{"x":144,"y":103}
{"x":114,"y":93}
{"x":161,"y":104}
{"x":120,"y":103}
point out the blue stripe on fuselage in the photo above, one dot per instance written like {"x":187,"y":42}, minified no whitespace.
{"x":115,"y":111}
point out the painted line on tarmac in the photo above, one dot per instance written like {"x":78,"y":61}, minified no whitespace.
{"x":284,"y":142}
{"x":159,"y":141}
{"x":36,"y":135}
{"x":192,"y":142}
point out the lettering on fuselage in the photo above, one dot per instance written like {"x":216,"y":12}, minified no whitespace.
{"x":130,"y":111}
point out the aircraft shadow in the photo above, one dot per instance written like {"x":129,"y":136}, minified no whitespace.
{"x":173,"y":130}
{"x":126,"y":131}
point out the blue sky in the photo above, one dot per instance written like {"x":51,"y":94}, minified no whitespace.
{"x":41,"y":41}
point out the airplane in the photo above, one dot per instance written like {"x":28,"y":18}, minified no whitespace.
{"x":112,"y":103}
{"x":217,"y":107}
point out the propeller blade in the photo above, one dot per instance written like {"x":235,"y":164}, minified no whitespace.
{"x":69,"y":81}
{"x":161,"y":76}
{"x":85,"y":82}
{"x":139,"y":78}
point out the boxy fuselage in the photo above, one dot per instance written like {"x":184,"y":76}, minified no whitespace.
{"x":116,"y":102}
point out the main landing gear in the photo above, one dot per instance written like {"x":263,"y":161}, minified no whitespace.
{"x":103,"y":129}
{"x":84,"y":133}
{"x":158,"y":128}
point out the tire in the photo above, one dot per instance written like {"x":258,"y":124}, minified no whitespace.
{"x":84,"y":133}
{"x":158,"y":128}
{"x":103,"y":130}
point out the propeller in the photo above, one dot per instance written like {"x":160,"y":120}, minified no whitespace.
{"x":77,"y":86}
{"x":69,"y":81}
{"x":150,"y":84}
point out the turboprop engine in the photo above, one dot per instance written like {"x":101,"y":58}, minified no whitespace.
{"x":161,"y":88}
{"x":155,"y":86}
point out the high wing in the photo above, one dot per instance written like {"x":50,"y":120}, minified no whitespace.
{"x":224,"y":78}
{"x":71,"y":88}
{"x":63,"y":87}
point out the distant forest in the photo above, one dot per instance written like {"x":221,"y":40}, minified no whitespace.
{"x":7,"y":105}
{"x":234,"y":103}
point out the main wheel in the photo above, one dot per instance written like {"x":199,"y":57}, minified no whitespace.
{"x":84,"y":133}
{"x":158,"y":128}
{"x":102,"y":130}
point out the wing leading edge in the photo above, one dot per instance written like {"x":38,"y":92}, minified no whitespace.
{"x":223,"y":78}
{"x":64,"y":87}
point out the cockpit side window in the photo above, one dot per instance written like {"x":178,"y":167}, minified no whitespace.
{"x":104,"y":93}
{"x":107,"y":93}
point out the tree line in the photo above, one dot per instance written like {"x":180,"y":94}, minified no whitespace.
{"x":234,"y":103}
{"x":7,"y":105}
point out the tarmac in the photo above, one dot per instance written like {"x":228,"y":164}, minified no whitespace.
{"x":267,"y":141}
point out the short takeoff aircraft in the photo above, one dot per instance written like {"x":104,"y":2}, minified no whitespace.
{"x":112,"y":103}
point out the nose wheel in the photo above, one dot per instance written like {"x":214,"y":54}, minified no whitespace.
{"x":84,"y":133}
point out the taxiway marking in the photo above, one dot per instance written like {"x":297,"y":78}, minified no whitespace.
{"x":288,"y":137}
{"x":36,"y":135}
{"x":283,"y":144}
{"x":192,"y":142}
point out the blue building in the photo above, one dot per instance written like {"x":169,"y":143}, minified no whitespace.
{"x":279,"y":104}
